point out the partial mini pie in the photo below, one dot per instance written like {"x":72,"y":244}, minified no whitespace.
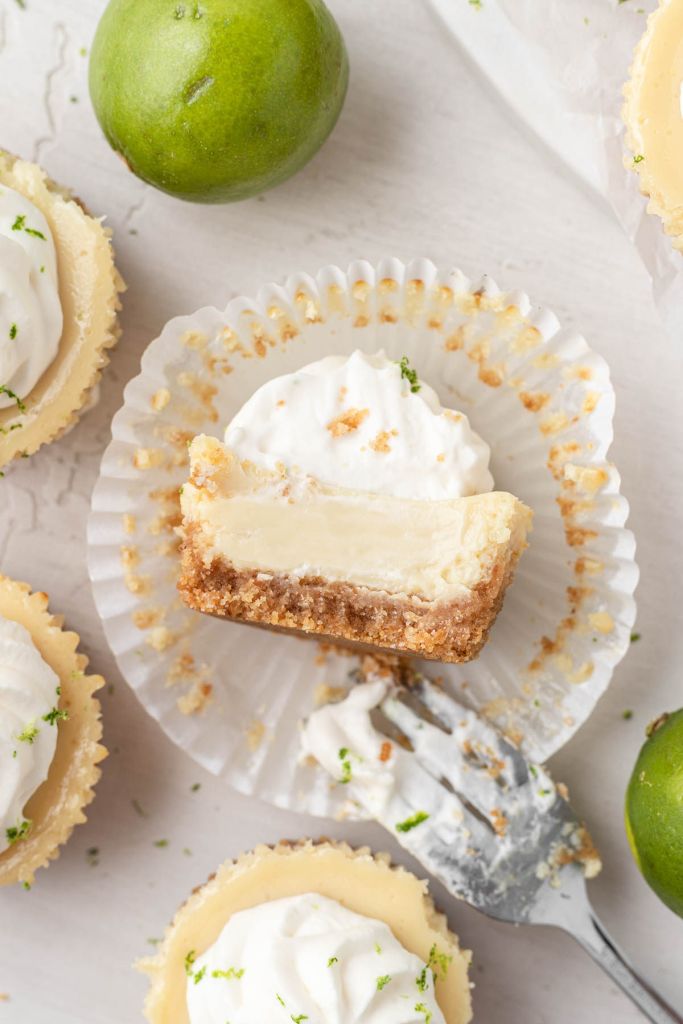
{"x":309,"y":932}
{"x":346,"y":502}
{"x":49,"y":733}
{"x":653,"y":114}
{"x":58,"y":315}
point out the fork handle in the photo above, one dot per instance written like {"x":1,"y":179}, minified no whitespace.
{"x":597,"y":942}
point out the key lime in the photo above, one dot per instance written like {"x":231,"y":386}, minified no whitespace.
{"x":654,"y":810}
{"x":217,"y":100}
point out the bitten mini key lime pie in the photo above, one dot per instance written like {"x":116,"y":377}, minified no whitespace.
{"x":59,"y":293}
{"x":49,"y":733}
{"x":313,"y":932}
{"x":345,"y":501}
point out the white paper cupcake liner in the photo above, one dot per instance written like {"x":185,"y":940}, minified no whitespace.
{"x":233,"y":696}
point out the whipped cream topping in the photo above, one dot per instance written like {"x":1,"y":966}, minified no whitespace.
{"x":308,"y":958}
{"x":31,"y":317}
{"x":29,"y":692}
{"x":364,"y":423}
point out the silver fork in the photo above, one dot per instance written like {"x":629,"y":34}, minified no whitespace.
{"x":527,"y":851}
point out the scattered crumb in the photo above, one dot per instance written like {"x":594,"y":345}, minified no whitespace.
{"x":381,"y":442}
{"x":385,"y":751}
{"x":147,"y":458}
{"x":92,"y":855}
{"x":145,"y":618}
{"x":137,"y":807}
{"x":161,"y":638}
{"x":601,"y":621}
{"x":326,"y":694}
{"x":500,"y":822}
{"x":347,"y":422}
{"x":255,"y":734}
{"x":635,"y":637}
{"x":196,"y":699}
{"x":160,"y":399}
{"x":161,"y":843}
{"x":195,"y":787}
{"x":129,"y":523}
{"x":627,"y":714}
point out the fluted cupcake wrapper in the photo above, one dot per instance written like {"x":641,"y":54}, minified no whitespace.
{"x":233,"y":697}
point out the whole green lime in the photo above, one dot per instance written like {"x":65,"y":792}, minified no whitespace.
{"x":654,"y":810}
{"x":217,"y":100}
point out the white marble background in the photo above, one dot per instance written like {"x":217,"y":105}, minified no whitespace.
{"x":424,"y":161}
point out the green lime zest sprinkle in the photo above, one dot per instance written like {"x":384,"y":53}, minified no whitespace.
{"x":19,"y":222}
{"x":28,"y":734}
{"x":421,"y":980}
{"x":160,"y":843}
{"x":383,"y":981}
{"x":332,"y":960}
{"x":18,"y":832}
{"x":638,"y":158}
{"x":56,"y":715}
{"x":345,"y":765}
{"x":412,"y":822}
{"x":232,"y":972}
{"x":189,"y":961}
{"x":409,"y":374}
{"x":298,"y":1018}
{"x":635,"y":637}
{"x":439,"y":962}
{"x":199,"y":975}
{"x":279,"y":999}
{"x":13,"y":331}
{"x":421,"y":1008}
{"x":378,"y":948}
{"x":4,"y":390}
{"x":627,"y":714}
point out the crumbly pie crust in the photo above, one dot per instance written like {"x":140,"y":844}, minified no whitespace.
{"x":449,"y":631}
{"x":652,"y":114}
{"x":361,"y":881}
{"x":89,"y":287}
{"x":58,"y":804}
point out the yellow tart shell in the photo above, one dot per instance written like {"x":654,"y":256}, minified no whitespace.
{"x":58,"y":804}
{"x":361,"y":881}
{"x":89,"y":288}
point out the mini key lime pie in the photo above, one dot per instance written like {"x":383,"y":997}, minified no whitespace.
{"x":346,"y":502}
{"x":654,"y":115}
{"x":49,"y":733}
{"x":59,"y":293}
{"x":309,"y":932}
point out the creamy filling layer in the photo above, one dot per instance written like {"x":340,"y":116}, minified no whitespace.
{"x":308,"y":958}
{"x":29,"y":695}
{"x":436,"y":550}
{"x":31,"y":318}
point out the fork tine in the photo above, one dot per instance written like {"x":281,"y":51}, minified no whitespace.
{"x":444,"y":758}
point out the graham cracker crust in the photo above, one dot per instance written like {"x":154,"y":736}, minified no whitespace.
{"x":452,"y":631}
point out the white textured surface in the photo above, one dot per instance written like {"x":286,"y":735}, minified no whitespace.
{"x":423,"y":160}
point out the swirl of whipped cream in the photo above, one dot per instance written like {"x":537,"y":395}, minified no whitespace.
{"x":28,"y":731}
{"x":31,"y":318}
{"x":364,"y":423}
{"x":308,"y":958}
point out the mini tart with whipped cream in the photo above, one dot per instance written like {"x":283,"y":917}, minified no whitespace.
{"x":653,"y":114}
{"x":58,"y":315}
{"x":345,"y":502}
{"x":309,"y":932}
{"x":49,"y":733}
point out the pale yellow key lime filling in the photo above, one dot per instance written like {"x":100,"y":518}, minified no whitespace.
{"x":653,"y":113}
{"x":281,"y":524}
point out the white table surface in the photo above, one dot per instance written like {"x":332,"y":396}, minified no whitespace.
{"x":424,"y":161}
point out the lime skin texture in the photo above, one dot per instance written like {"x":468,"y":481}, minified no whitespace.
{"x":654,"y":810}
{"x":214,"y":101}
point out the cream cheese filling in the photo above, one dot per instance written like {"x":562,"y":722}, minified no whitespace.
{"x":283,"y":524}
{"x":653,"y":111}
